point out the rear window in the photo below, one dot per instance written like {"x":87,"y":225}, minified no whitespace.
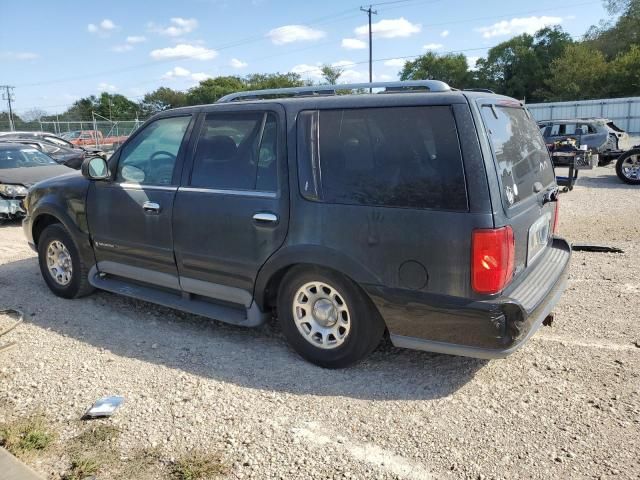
{"x":522,"y":158}
{"x":398,"y":157}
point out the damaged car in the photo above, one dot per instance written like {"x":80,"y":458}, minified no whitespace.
{"x":22,"y":166}
{"x":61,"y":150}
{"x":598,"y":134}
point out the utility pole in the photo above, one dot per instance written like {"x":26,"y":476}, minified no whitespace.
{"x":370,"y":12}
{"x":8,"y":96}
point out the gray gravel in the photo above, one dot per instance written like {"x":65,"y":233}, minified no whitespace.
{"x":565,"y":406}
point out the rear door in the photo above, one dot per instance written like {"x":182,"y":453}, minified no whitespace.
{"x":525,"y":177}
{"x":232,"y":210}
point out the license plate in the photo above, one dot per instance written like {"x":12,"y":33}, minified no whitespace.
{"x":538,"y":236}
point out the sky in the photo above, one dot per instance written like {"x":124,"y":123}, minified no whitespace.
{"x":55,"y":54}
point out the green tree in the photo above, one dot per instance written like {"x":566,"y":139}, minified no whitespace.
{"x":452,"y":69}
{"x":331,"y":74}
{"x":615,"y":38}
{"x":260,"y":81}
{"x":520,"y":66}
{"x":161,"y":99}
{"x":212,"y":89}
{"x":624,"y":73}
{"x":580,"y":73}
{"x":116,"y":107}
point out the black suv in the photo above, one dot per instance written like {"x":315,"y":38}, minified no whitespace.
{"x":421,"y":210}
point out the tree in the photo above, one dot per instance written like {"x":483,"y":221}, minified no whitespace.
{"x":331,"y":74}
{"x":260,"y":81}
{"x":212,"y":89}
{"x":452,"y":69}
{"x":34,"y":115}
{"x":624,"y":73}
{"x":615,"y":38}
{"x":580,"y":73}
{"x":115,"y":107}
{"x":162,"y":99}
{"x":520,"y":66}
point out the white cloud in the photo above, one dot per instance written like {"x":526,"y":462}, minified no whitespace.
{"x":444,"y":33}
{"x":353,"y":44}
{"x":353,"y":76}
{"x":136,"y":39}
{"x":103,"y":28}
{"x":200,"y":77}
{"x":107,"y":87}
{"x":182,"y":73}
{"x":235,"y":63}
{"x":307,"y":71}
{"x":390,"y":28}
{"x":18,"y":55}
{"x":184,"y":50}
{"x":516,"y":26}
{"x":177,"y":27}
{"x":433,"y":46}
{"x":395,"y":62}
{"x":342,"y":64}
{"x":383,"y":77}
{"x":122,"y":48}
{"x":176,"y":72}
{"x":294,"y":33}
{"x":471,"y":61}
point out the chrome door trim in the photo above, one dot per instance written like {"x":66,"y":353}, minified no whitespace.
{"x":265,"y":217}
{"x":137,"y":186}
{"x":239,"y":193}
{"x":144,"y":275}
{"x":216,"y":291}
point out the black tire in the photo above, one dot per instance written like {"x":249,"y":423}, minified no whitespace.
{"x":79,"y":285}
{"x":366,"y":325}
{"x":635,"y":152}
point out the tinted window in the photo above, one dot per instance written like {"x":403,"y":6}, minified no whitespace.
{"x":149,"y":159}
{"x":236,"y":151}
{"x":521,"y":155}
{"x":399,"y":157}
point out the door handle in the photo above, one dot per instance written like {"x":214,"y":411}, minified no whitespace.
{"x":265,"y":217}
{"x":151,"y":207}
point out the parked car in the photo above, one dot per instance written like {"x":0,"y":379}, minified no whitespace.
{"x":57,"y":148}
{"x":94,"y":137}
{"x":429,"y":213}
{"x":599,"y":134}
{"x":21,"y":166}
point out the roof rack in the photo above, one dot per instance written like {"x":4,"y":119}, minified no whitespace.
{"x":318,"y":90}
{"x":482,"y":90}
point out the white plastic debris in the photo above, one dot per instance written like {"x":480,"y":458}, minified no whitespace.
{"x":104,"y":407}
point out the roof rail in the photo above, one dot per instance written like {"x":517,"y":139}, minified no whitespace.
{"x":482,"y":90}
{"x":390,"y":87}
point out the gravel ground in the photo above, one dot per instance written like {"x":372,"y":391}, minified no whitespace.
{"x":567,"y":405}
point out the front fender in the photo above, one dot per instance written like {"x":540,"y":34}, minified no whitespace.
{"x":319,"y":255}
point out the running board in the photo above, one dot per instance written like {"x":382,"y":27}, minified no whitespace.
{"x":249,"y":317}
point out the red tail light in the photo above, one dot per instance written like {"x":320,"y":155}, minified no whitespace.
{"x":492,"y":259}
{"x":556,"y":216}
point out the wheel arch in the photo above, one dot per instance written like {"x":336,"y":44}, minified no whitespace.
{"x":271,"y":274}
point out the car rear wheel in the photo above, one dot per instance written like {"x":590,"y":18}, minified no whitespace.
{"x":326,"y":318}
{"x":62,"y":268}
{"x":628,"y":167}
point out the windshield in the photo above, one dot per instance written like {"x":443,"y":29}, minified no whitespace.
{"x":521,"y":155}
{"x":71,"y":135}
{"x":24,"y":157}
{"x":57,"y":141}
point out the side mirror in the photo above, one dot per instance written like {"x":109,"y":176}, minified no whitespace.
{"x":95,"y":168}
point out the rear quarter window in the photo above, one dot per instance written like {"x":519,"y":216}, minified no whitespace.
{"x":521,"y":156}
{"x":406,"y":157}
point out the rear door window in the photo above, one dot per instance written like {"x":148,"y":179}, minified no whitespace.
{"x":237,"y":151}
{"x":397,"y":157}
{"x":522,"y":158}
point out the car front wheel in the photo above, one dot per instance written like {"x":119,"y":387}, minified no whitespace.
{"x":326,"y":318}
{"x":62,"y":268}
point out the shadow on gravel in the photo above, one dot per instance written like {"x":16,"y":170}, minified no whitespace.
{"x":609,"y":181}
{"x":10,"y":223}
{"x":252,"y":358}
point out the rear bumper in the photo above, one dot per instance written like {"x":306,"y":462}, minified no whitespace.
{"x":482,"y":329}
